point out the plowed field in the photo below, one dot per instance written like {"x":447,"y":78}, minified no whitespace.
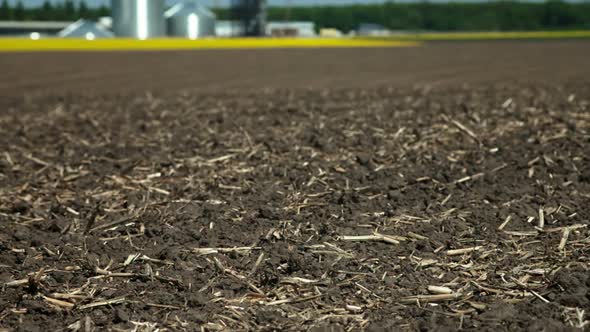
{"x":442,"y":187}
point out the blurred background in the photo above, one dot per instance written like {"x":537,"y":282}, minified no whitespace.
{"x":142,"y":19}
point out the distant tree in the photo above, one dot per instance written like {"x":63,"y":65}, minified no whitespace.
{"x":19,"y":11}
{"x":69,"y":10}
{"x":221,"y":13}
{"x":560,"y":14}
{"x":6,"y":11}
{"x":58,"y":12}
{"x":46,"y":12}
{"x":103,"y":11}
{"x":83,"y":10}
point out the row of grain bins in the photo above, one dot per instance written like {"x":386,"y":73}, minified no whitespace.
{"x":143,"y":19}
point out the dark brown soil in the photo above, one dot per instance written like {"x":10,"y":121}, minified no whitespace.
{"x":439,"y":64}
{"x":213,"y":208}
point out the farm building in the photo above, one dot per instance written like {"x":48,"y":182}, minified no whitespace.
{"x":19,"y":28}
{"x":291,"y":29}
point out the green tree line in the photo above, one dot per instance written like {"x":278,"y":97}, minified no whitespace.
{"x":453,"y":16}
{"x":63,"y":11}
{"x":493,"y":15}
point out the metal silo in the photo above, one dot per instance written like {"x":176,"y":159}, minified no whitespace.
{"x":190,"y":20}
{"x":139,"y":19}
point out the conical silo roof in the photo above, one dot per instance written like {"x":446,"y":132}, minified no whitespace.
{"x":85,"y":29}
{"x":189,"y":19}
{"x":186,"y":8}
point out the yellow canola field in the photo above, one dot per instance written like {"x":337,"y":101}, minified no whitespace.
{"x":58,"y":44}
{"x":399,"y":40}
{"x":458,"y":36}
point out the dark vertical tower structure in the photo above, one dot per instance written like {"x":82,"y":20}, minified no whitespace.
{"x":251,"y":15}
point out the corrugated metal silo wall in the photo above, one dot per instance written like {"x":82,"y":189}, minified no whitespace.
{"x":140,"y":19}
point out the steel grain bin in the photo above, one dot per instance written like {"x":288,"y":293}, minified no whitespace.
{"x":188,"y":19}
{"x":141,"y":19}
